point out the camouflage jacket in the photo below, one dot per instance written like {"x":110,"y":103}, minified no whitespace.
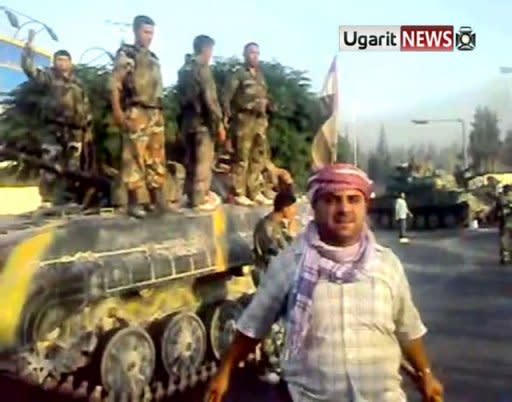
{"x":66,"y":102}
{"x":245,"y":91}
{"x":197,"y":96}
{"x":138,"y":75}
{"x":269,"y":238}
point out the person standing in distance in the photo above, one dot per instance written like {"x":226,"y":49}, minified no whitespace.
{"x":137,"y":92}
{"x":401,"y":214}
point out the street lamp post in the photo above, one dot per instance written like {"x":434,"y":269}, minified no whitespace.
{"x":50,"y":31}
{"x":13,"y":20}
{"x":463,"y":132}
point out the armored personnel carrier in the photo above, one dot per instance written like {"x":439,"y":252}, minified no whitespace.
{"x":434,"y":201}
{"x":108,"y":304}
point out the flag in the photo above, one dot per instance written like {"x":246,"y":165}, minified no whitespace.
{"x":324,"y":147}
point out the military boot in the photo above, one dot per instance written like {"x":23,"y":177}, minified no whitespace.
{"x":134,"y":208}
{"x":158,"y":199}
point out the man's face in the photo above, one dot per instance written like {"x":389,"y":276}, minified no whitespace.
{"x":340,"y":216}
{"x":62,"y":64}
{"x":207,"y":54}
{"x":144,"y":36}
{"x":252,"y":55}
{"x":290,"y":212}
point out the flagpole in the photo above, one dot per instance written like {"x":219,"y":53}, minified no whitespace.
{"x":354,"y":134}
{"x":336,"y":111}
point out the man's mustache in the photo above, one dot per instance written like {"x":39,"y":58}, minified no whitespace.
{"x":343,"y":217}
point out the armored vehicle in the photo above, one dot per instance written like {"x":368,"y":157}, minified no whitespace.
{"x":433,"y":200}
{"x":105,"y":303}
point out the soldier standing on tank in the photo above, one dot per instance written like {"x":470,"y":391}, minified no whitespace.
{"x":67,"y":136}
{"x":137,"y":92}
{"x":200,"y":121}
{"x":246,"y":103}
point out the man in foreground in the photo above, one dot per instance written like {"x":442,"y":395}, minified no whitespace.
{"x":348,"y":305}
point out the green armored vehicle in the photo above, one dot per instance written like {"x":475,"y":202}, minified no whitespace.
{"x":108,"y":304}
{"x":434,"y":200}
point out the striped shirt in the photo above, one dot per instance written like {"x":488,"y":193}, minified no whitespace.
{"x":353,"y":346}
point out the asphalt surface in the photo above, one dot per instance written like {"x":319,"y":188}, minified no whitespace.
{"x":465,"y":299}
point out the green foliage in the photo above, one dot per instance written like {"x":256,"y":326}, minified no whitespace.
{"x":296,"y":119}
{"x":345,"y":150}
{"x":484,"y":140}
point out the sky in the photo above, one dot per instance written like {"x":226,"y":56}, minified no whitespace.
{"x":302,"y":35}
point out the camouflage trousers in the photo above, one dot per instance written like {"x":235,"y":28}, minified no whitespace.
{"x":506,"y":243}
{"x":198,"y":164}
{"x":71,"y":149}
{"x":143,"y":153}
{"x":251,"y":153}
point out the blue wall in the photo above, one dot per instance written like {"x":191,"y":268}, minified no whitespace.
{"x":11,"y":74}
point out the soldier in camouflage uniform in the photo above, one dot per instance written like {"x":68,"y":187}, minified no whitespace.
{"x":67,"y":137}
{"x":504,"y":209}
{"x":246,"y":104}
{"x":137,"y":92}
{"x":200,"y":120}
{"x":273,"y":233}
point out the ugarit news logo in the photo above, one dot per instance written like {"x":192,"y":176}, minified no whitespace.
{"x":406,"y":38}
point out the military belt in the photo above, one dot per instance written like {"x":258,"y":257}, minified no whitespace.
{"x":144,"y":106}
{"x":253,"y":112}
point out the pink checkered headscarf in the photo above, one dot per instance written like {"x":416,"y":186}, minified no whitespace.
{"x":337,"y":177}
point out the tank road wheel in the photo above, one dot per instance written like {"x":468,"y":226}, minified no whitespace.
{"x":128,"y":362}
{"x":419,"y":222}
{"x":450,"y":220}
{"x":183,"y":344}
{"x":385,"y":221}
{"x":221,"y":326}
{"x":433,"y":221}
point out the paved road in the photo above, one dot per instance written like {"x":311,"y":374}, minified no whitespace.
{"x":465,"y":298}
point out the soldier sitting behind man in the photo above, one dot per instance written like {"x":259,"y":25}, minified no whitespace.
{"x":137,"y":92}
{"x":200,"y":120}
{"x":67,"y":136}
{"x":246,"y":103}
{"x":275,"y":231}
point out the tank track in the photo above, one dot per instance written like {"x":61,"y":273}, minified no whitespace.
{"x":133,"y":361}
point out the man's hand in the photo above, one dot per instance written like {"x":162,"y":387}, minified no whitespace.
{"x":285,"y":176}
{"x":431,"y":388}
{"x":218,"y":387}
{"x":30,"y":41}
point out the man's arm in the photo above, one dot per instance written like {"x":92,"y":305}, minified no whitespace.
{"x":122,"y":66}
{"x":209,"y":94}
{"x":29,"y":68}
{"x":409,"y":326}
{"x":229,"y":91}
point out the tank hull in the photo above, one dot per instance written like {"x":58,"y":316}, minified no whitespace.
{"x":75,"y":283}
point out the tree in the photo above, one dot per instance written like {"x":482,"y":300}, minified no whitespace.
{"x":484,"y":139}
{"x":379,"y":162}
{"x":506,"y":149}
{"x":292,"y":126}
{"x":345,"y":152}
